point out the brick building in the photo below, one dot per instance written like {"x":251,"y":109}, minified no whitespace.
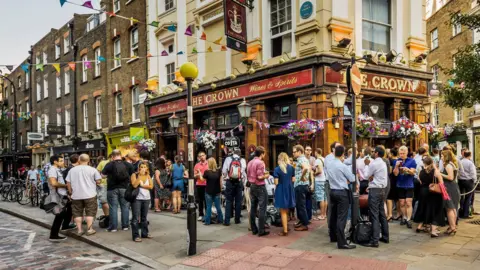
{"x":444,"y":40}
{"x":126,"y":76}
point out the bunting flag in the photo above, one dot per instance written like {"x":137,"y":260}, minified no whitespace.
{"x":9,"y":67}
{"x":223,"y":135}
{"x":57,"y":67}
{"x":149,"y":55}
{"x":224,"y":48}
{"x":101,"y":59}
{"x":180,"y":53}
{"x":133,"y":20}
{"x":231,"y":133}
{"x":204,"y":36}
{"x":24,"y":67}
{"x":88,"y":65}
{"x":172,"y":28}
{"x":209,"y":49}
{"x":218,"y":41}
{"x":111,"y":14}
{"x":267,"y":125}
{"x":62,"y":2}
{"x":260,"y":125}
{"x":194,"y":50}
{"x":154,"y":24}
{"x":72,"y":65}
{"x":240,"y":127}
{"x":40,"y":66}
{"x":164,"y":53}
{"x":87,"y":4}
{"x":188,"y":31}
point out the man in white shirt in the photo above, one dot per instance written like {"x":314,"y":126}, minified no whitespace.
{"x":33,"y":175}
{"x":367,"y":152}
{"x":82,"y":181}
{"x":377,"y":174}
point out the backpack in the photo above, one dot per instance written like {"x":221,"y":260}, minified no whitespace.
{"x":362,"y":232}
{"x":103,"y":221}
{"x":120,"y":172}
{"x":235,"y":170}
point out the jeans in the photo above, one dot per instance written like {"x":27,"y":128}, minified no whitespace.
{"x":140,"y":209}
{"x":309,"y":205}
{"x":339,"y":204}
{"x":116,"y":197}
{"x":233,"y":193}
{"x":201,"y":200}
{"x":62,"y":220}
{"x":465,"y":201}
{"x":215,"y":199}
{"x":258,"y":198}
{"x":301,"y":202}
{"x":376,"y":207}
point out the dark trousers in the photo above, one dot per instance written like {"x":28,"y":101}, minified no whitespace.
{"x":201,"y":200}
{"x":301,"y":202}
{"x":309,"y":205}
{"x":363,"y":187}
{"x":258,"y":198}
{"x":139,"y":210}
{"x":233,"y":193}
{"x":152,"y":198}
{"x":339,"y":204}
{"x":376,"y":207}
{"x":466,"y":201}
{"x":61,"y":221}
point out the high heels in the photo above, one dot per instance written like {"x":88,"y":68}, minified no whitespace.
{"x":450,"y":232}
{"x":434,"y":235}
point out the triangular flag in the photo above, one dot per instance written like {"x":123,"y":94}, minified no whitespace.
{"x":209,"y":49}
{"x":204,"y":36}
{"x":10,"y":68}
{"x":194,"y":50}
{"x":102,"y":59}
{"x":72,"y":65}
{"x":260,"y":125}
{"x":164,"y":53}
{"x":40,"y":66}
{"x":62,"y":2}
{"x":111,"y":13}
{"x":88,"y":64}
{"x":224,"y":48}
{"x":154,"y":23}
{"x":188,"y":32}
{"x":218,"y":41}
{"x":149,"y":55}
{"x":88,"y":4}
{"x":172,"y":28}
{"x":240,"y":128}
{"x":133,"y":56}
{"x":180,"y":53}
{"x":133,"y":20}
{"x":223,"y":135}
{"x":25,"y":67}
{"x":267,"y":125}
{"x":57,"y":67}
{"x":231,"y":133}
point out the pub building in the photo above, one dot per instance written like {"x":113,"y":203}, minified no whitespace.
{"x":297,"y":89}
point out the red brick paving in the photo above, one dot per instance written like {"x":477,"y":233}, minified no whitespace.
{"x":271,"y":252}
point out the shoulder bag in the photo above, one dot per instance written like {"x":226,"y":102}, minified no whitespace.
{"x":55,"y":203}
{"x":435,"y":186}
{"x":131,"y":192}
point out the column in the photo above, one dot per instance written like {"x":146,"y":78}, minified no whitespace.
{"x":259,"y":136}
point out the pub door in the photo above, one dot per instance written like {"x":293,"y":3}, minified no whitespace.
{"x":278,"y":144}
{"x":170,"y":147}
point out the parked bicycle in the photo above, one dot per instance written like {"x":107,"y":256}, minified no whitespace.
{"x":14,"y":190}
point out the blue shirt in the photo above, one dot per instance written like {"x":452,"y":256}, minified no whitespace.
{"x":299,"y":171}
{"x":406,"y":180}
{"x":339,"y":174}
{"x":328,"y":160}
{"x":177,"y":172}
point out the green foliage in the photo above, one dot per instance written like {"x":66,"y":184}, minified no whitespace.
{"x":5,"y":126}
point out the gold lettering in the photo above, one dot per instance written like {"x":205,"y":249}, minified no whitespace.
{"x":401,"y":85}
{"x":214,"y":97}
{"x":364,"y":78}
{"x":384,"y":83}
{"x":208,"y":99}
{"x":376,"y":82}
{"x":195,"y":101}
{"x":410,"y":86}
{"x":392,"y":84}
{"x":221,"y":96}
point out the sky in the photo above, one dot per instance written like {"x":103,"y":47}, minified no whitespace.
{"x":24,"y":22}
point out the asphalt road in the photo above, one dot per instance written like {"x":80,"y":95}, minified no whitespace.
{"x":25,"y":246}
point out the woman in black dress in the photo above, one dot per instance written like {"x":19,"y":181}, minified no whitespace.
{"x":392,"y":194}
{"x":430,"y":205}
{"x":449,"y":174}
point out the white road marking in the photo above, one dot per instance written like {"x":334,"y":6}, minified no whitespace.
{"x":93,"y":260}
{"x":13,"y":230}
{"x":108,"y":266}
{"x":28,"y":244}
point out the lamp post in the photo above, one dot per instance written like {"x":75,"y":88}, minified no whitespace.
{"x":190,"y":72}
{"x":13,"y":140}
{"x":427,"y":107}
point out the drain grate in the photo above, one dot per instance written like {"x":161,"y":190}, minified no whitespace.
{"x":475,"y":222}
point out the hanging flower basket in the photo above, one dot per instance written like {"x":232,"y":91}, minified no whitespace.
{"x":367,"y":126}
{"x":304,"y":129}
{"x":405,"y":128}
{"x":207,"y":139}
{"x":145,"y":145}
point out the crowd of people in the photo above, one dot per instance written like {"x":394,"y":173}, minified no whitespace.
{"x":422,"y":188}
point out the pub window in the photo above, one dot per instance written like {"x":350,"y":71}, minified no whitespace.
{"x":377,"y":25}
{"x":281,"y":26}
{"x":231,"y":119}
{"x":221,"y":120}
{"x":285,"y":111}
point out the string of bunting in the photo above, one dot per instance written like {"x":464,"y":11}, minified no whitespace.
{"x":20,"y":115}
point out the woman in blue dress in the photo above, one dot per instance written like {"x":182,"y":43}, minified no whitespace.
{"x":178,"y":174}
{"x":284,"y":176}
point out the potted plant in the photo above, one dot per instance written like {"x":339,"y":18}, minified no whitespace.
{"x":304,"y":129}
{"x":367,"y":126}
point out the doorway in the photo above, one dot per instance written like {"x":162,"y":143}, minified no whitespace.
{"x":278,"y":144}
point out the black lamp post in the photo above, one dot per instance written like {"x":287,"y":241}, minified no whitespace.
{"x":190,"y":72}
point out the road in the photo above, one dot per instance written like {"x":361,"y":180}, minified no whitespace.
{"x":25,"y":246}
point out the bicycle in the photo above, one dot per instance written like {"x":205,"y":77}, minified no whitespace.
{"x":13,"y":190}
{"x":26,"y":193}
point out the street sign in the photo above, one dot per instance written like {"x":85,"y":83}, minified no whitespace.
{"x":142,"y":98}
{"x":34,"y":136}
{"x":235,"y":25}
{"x":356,"y":79}
{"x":53,"y":129}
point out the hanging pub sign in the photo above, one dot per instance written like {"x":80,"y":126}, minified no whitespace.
{"x":232,"y":142}
{"x":235,"y":18}
{"x":53,"y":129}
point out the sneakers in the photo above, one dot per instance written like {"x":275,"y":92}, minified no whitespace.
{"x":409,"y":224}
{"x":125,"y":229}
{"x":57,"y":239}
{"x":111,"y":230}
{"x":200,"y":218}
{"x":70,"y":227}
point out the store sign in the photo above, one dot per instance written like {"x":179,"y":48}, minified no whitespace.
{"x":235,"y":25}
{"x":306,"y":10}
{"x":55,"y":130}
{"x":137,"y":133}
{"x":379,"y":82}
{"x":232,"y":142}
{"x":92,"y":144}
{"x":279,"y":83}
{"x":34,"y":136}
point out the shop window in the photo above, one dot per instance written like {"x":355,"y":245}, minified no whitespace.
{"x":434,"y":39}
{"x":221,"y":120}
{"x":283,"y":112}
{"x":281,"y":26}
{"x":228,"y":119}
{"x":376,"y":25}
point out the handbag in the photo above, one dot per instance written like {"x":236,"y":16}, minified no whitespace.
{"x":435,"y":186}
{"x":131,"y":193}
{"x":55,"y":203}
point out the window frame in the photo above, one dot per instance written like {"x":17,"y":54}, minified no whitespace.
{"x":98,"y":112}
{"x":19,"y":82}
{"x":458,"y":116}
{"x":66,"y":76}
{"x":39,"y":90}
{"x":435,"y":119}
{"x":434,"y":41}
{"x":67,"y":122}
{"x":59,"y":119}
{"x":279,"y":25}
{"x":47,"y":120}
{"x":66,"y":44}
{"x":134,"y":46}
{"x":135,"y":104}
{"x":435,"y":69}
{"x":45,"y":86}
{"x":117,"y":62}
{"x":58,"y":86}
{"x":85,"y":115}
{"x":388,"y":25}
{"x":115,"y":8}
{"x":84,"y":68}
{"x":39,"y":124}
{"x":45,"y":57}
{"x":118,"y":109}
{"x":169,"y":4}
{"x":97,"y":71}
{"x":58,"y":51}
{"x":170,"y":72}
{"x":456,"y":27}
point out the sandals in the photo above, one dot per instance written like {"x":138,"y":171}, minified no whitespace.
{"x":91,"y":231}
{"x":158,"y":210}
{"x":138,"y":239}
{"x":149,"y":236}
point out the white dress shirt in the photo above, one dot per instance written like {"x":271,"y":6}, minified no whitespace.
{"x":378,"y":169}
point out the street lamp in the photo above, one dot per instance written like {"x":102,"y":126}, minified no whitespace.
{"x":338,"y":100}
{"x":190,"y":72}
{"x":174,"y":121}
{"x":245,"y":109}
{"x":427,"y":107}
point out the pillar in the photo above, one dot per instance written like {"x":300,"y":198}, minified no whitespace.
{"x":395,"y":114}
{"x":259,"y":136}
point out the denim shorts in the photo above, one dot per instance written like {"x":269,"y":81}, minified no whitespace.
{"x":178,"y":185}
{"x":320,"y":195}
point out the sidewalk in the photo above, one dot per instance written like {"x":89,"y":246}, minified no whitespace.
{"x":221,"y":247}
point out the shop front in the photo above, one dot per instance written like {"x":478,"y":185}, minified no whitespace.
{"x":124,"y":140}
{"x":94,"y":148}
{"x":41,"y":155}
{"x":295,"y":91}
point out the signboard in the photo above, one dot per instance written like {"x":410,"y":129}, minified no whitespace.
{"x":235,"y":25}
{"x":306,"y":10}
{"x":137,"y":133}
{"x":13,"y":140}
{"x":279,"y":83}
{"x":55,"y":130}
{"x":34,"y":136}
{"x":91,"y":145}
{"x":380,"y":83}
{"x":232,"y":142}
{"x":356,"y":79}
{"x":434,"y":88}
